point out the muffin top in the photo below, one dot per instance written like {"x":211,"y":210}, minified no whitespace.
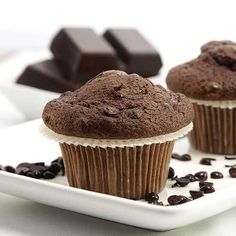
{"x":211,"y":76}
{"x":115,"y":105}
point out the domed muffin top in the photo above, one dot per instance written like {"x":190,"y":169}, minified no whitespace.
{"x":211,"y":76}
{"x":115,"y":105}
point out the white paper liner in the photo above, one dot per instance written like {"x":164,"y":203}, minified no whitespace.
{"x":48,"y":133}
{"x":230,"y":104}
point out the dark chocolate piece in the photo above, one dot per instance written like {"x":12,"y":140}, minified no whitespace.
{"x":80,"y":50}
{"x":196,"y":194}
{"x":45,"y":75}
{"x":216,"y":175}
{"x":137,"y":54}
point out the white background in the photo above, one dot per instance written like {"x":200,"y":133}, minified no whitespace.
{"x":177,"y":28}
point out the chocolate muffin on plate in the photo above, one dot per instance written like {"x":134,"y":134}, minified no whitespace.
{"x":210,"y":83}
{"x":117,"y":133}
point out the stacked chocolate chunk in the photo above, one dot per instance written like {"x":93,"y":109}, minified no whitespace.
{"x":79,"y":54}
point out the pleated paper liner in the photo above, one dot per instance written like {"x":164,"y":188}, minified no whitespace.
{"x":214,"y":128}
{"x":124,"y":170}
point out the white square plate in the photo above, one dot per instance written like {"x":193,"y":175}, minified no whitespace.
{"x":24,"y":143}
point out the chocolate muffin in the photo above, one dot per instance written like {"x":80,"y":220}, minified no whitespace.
{"x":210,"y":82}
{"x":117,"y":133}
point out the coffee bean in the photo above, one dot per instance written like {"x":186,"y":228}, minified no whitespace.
{"x":232,"y":172}
{"x":174,"y":178}
{"x":190,"y":177}
{"x":48,"y":175}
{"x":207,"y":161}
{"x":207,"y":189}
{"x":177,"y":199}
{"x":60,"y":161}
{"x":230,"y":165}
{"x":196,"y":194}
{"x":181,"y":182}
{"x":30,"y":174}
{"x":184,"y":157}
{"x":10,"y":169}
{"x":22,"y":170}
{"x":39,"y":163}
{"x":216,"y":175}
{"x":230,"y":158}
{"x":55,"y":168}
{"x":151,"y":197}
{"x":202,"y":183}
{"x":201,"y":176}
{"x":171,"y":173}
{"x":38,"y":173}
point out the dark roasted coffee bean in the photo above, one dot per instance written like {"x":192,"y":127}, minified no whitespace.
{"x":56,"y":160}
{"x":38,"y":174}
{"x":60,"y":161}
{"x":181,"y":182}
{"x":207,"y":189}
{"x":22,"y":170}
{"x":10,"y":169}
{"x":216,"y":175}
{"x":207,"y":161}
{"x":30,"y":174}
{"x":230,"y":158}
{"x":55,"y":168}
{"x":177,"y":199}
{"x":171,"y":173}
{"x":230,"y":165}
{"x":48,"y":175}
{"x":39,"y":163}
{"x":160,"y":203}
{"x":184,"y":157}
{"x":232,"y":172}
{"x":151,"y":197}
{"x":174,"y":178}
{"x":202,"y":183}
{"x":190,"y":177}
{"x":196,"y":194}
{"x":201,"y":176}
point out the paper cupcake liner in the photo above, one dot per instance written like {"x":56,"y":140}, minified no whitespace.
{"x":126,"y":168}
{"x":214,"y":129}
{"x":229,"y":104}
{"x":48,"y":133}
{"x":129,"y":172}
